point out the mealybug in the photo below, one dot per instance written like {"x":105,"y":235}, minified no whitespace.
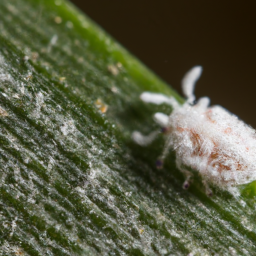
{"x":210,"y":140}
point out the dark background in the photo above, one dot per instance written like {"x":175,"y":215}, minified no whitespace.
{"x":170,"y":37}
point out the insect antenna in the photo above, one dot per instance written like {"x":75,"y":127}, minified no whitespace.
{"x":188,"y":83}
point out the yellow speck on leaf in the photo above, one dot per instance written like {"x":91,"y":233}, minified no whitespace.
{"x":62,"y":79}
{"x":114,"y":69}
{"x":58,"y":19}
{"x":101,"y":106}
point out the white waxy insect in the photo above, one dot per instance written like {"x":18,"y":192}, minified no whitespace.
{"x":210,"y":140}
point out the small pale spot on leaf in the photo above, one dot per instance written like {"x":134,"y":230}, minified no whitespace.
{"x":58,"y":19}
{"x":3,"y":112}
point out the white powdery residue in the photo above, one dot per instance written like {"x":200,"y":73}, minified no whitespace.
{"x":242,"y":202}
{"x":3,"y":177}
{"x":232,"y":251}
{"x":13,"y":225}
{"x":31,"y":200}
{"x":68,"y":127}
{"x":51,"y":163}
{"x":26,"y":154}
{"x":4,"y":74}
{"x":92,"y":174}
{"x":163,"y":251}
{"x":83,"y":197}
{"x":51,"y":222}
{"x":17,"y":174}
{"x":69,"y":24}
{"x":12,"y":8}
{"x":9,"y":249}
{"x":246,"y":224}
{"x":13,"y":141}
{"x":68,"y":50}
{"x":58,"y":227}
{"x":105,"y":196}
{"x":26,"y":160}
{"x":29,"y":74}
{"x":228,"y":226}
{"x":5,"y":224}
{"x":39,"y":99}
{"x":52,"y":42}
{"x":128,"y":194}
{"x":22,"y":88}
{"x":64,"y":128}
{"x":80,"y":190}
{"x":39,"y":104}
{"x":104,"y":171}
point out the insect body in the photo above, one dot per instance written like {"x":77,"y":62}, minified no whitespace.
{"x":210,"y":140}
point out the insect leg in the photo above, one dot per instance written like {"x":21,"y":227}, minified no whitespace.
{"x":207,"y":188}
{"x":188,"y":175}
{"x":144,"y":140}
{"x":167,"y":146}
{"x":158,"y":98}
{"x":161,"y":119}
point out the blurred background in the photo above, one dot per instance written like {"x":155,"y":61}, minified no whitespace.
{"x":170,"y":37}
